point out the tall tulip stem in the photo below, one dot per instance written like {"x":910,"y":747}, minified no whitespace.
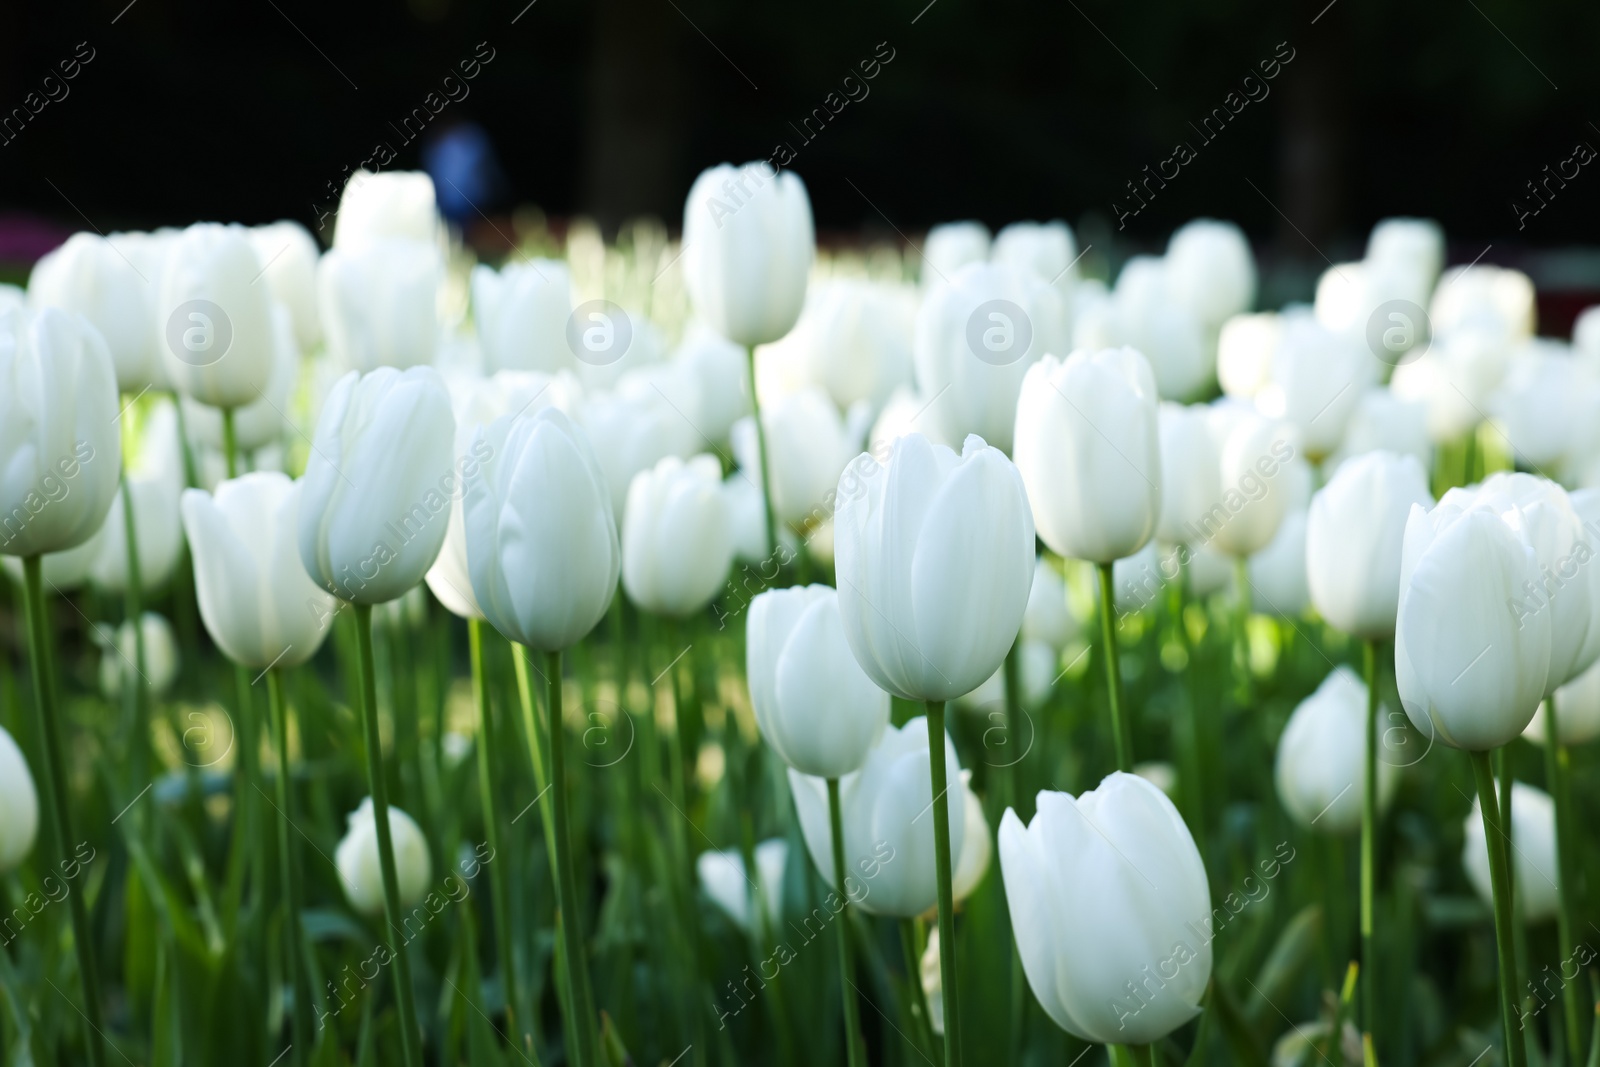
{"x":1369,"y":842}
{"x":288,"y":876}
{"x":1556,"y":765}
{"x":1120,"y":731}
{"x":500,"y":898}
{"x":56,"y":805}
{"x":230,"y":443}
{"x":133,"y":609}
{"x":1500,"y":880}
{"x":585,"y":1027}
{"x":847,"y":967}
{"x":761,"y":449}
{"x":404,"y":994}
{"x":947,"y":904}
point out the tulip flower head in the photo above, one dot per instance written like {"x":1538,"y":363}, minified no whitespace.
{"x":117,"y":659}
{"x":727,"y":883}
{"x":1533,"y":853}
{"x":215,"y":322}
{"x":1211,"y":270}
{"x":1577,"y":711}
{"x":378,"y":303}
{"x":19,"y":805}
{"x":289,"y":254}
{"x":677,"y":542}
{"x":1321,"y":764}
{"x":89,"y":276}
{"x":950,"y":246}
{"x":357,"y":859}
{"x":376,"y":206}
{"x":521,"y":313}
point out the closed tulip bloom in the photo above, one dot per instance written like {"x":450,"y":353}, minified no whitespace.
{"x":265,"y":420}
{"x":1418,"y":243}
{"x":378,"y":304}
{"x":1455,"y":379}
{"x":631,"y":432}
{"x":541,"y":541}
{"x":288,"y":255}
{"x":976,"y":337}
{"x":1577,"y":710}
{"x":1190,"y":470}
{"x":396,"y":203}
{"x":950,"y":246}
{"x":215,"y":323}
{"x":521,"y":311}
{"x":1317,"y":377}
{"x":256,"y":599}
{"x":1546,"y":396}
{"x":375,"y":502}
{"x":888,"y":846}
{"x":1385,"y":422}
{"x":1211,"y":270}
{"x":1148,"y":316}
{"x":905,"y":413}
{"x":808,"y":445}
{"x":1533,"y":854}
{"x":1278,"y":583}
{"x":1046,"y":249}
{"x":89,"y":276}
{"x":855,"y":336}
{"x":357,"y":860}
{"x":1585,"y":335}
{"x":154,"y":481}
{"x":117,"y":659}
{"x":1468,"y":669}
{"x":1255,"y":455}
{"x":1244,"y":353}
{"x":1048,"y":619}
{"x":1485,"y":297}
{"x":677,"y":544}
{"x":1321,"y":764}
{"x":19,"y":805}
{"x":1353,"y":540}
{"x":724,"y":879}
{"x":720,"y":375}
{"x":934,"y":557}
{"x":1088,"y":448}
{"x":748,"y":244}
{"x":815,"y":705}
{"x":60,"y":450}
{"x":1110,"y":908}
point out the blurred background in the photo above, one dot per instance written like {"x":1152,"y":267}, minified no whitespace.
{"x":179,"y":110}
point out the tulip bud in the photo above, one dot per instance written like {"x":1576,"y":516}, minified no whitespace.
{"x":396,"y":203}
{"x":1484,"y":297}
{"x":808,"y":445}
{"x":720,"y":376}
{"x":1353,"y":540}
{"x":1278,"y":572}
{"x":1089,"y":453}
{"x":1418,"y":243}
{"x":288,"y":255}
{"x":154,"y":482}
{"x":724,"y":879}
{"x":256,"y":599}
{"x":375,"y":502}
{"x":1255,"y":454}
{"x":1048,"y":619}
{"x":677,"y":544}
{"x":1533,"y":854}
{"x":1244,"y":353}
{"x":1317,"y":376}
{"x":1111,"y":910}
{"x":357,"y":859}
{"x":631,"y":432}
{"x":89,"y":276}
{"x":215,"y":322}
{"x":1321,"y":764}
{"x":522,"y":312}
{"x":950,"y":246}
{"x":905,"y":413}
{"x":1469,"y":669}
{"x":816,"y":707}
{"x":1147,"y":315}
{"x":1038,"y":666}
{"x":1385,"y":422}
{"x":1190,"y":468}
{"x":748,"y":244}
{"x":19,"y":805}
{"x":1546,"y":396}
{"x":263,"y":421}
{"x":932,"y":601}
{"x":60,"y":454}
{"x":118,"y":660}
{"x":541,"y":543}
{"x":1047,"y":250}
{"x":1211,"y":271}
{"x":378,"y":303}
{"x":855,"y":339}
{"x":1577,"y":711}
{"x":976,"y":337}
{"x":886,"y":813}
{"x":1455,"y":379}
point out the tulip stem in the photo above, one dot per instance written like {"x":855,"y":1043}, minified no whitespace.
{"x":499,"y":895}
{"x":1500,"y":881}
{"x":584,"y":1027}
{"x":230,"y":443}
{"x":941,"y":866}
{"x":1133,"y":1055}
{"x":841,"y":922}
{"x":1556,"y":765}
{"x":286,"y":871}
{"x":761,"y":450}
{"x":1369,"y":842}
{"x":1120,"y":731}
{"x":57,"y":811}
{"x":911,"y":952}
{"x":133,"y":609}
{"x":404,"y":994}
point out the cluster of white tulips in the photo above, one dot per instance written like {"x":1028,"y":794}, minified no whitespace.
{"x":903,"y":487}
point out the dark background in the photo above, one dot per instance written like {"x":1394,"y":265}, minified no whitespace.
{"x":248,"y":110}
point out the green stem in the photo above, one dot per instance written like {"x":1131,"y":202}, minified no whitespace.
{"x":133,"y":609}
{"x":500,"y":896}
{"x":290,"y":884}
{"x":230,"y":444}
{"x":1369,"y":842}
{"x":585,"y":1027}
{"x":1556,"y":765}
{"x":404,"y":994}
{"x":852,"y":1018}
{"x":1500,"y":881}
{"x":947,"y":904}
{"x":191,"y":477}
{"x":761,"y":449}
{"x":56,"y":807}
{"x":921,"y":1021}
{"x":1132,"y":1055}
{"x":1120,"y":731}
{"x":1241,"y":647}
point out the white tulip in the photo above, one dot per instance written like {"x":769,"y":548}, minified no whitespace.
{"x":1577,"y":711}
{"x":951,"y":246}
{"x":855,"y":339}
{"x":118,"y":660}
{"x":1150,"y":318}
{"x":154,"y":481}
{"x":1211,"y":270}
{"x":91,"y":277}
{"x":1047,"y":618}
{"x":1317,"y":377}
{"x":676,"y":542}
{"x":1485,"y":297}
{"x":1385,"y":422}
{"x":356,"y":859}
{"x":378,"y":303}
{"x":19,"y":805}
{"x":1254,"y":455}
{"x":375,"y":207}
{"x":522,"y":314}
{"x":1546,"y":396}
{"x":1278,"y":572}
{"x":1190,"y":470}
{"x":1416,"y":242}
{"x":1046,"y":249}
{"x":720,"y":376}
{"x":1245,"y":348}
{"x":1320,"y":770}
{"x":263,"y":421}
{"x":1533,"y":854}
{"x":288,"y":255}
{"x":724,"y":879}
{"x":631,"y":432}
{"x":215,"y":323}
{"x":1456,"y":378}
{"x":808,"y":446}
